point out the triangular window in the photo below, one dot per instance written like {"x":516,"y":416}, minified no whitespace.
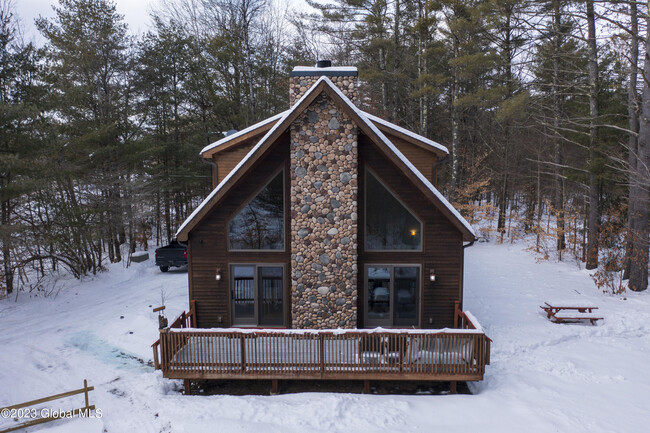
{"x":260,"y":224}
{"x":390,"y":225}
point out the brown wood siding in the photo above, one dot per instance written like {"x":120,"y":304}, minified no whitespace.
{"x":422,"y":159}
{"x":208,"y":243}
{"x":228,"y":159}
{"x":442,"y":243}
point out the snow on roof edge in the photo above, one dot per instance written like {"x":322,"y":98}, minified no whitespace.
{"x":240,"y":133}
{"x":283,"y":116}
{"x":407,"y":132}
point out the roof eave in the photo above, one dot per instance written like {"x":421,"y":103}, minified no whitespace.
{"x":407,"y":135}
{"x":240,"y":136}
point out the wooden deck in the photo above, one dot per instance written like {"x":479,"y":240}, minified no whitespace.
{"x":377,"y":354}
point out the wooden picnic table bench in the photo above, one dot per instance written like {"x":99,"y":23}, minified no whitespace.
{"x":566,"y":311}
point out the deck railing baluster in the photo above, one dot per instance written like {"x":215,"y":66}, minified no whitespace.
{"x":243,"y":352}
{"x":322,"y":354}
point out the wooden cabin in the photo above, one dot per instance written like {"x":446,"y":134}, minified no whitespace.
{"x":325,"y":217}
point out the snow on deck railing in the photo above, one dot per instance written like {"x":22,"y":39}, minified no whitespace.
{"x":474,"y":321}
{"x":403,"y":331}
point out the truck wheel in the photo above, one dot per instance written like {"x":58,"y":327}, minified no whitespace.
{"x":164,"y":268}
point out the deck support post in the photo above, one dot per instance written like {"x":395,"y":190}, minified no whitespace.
{"x":188,"y":387}
{"x":366,"y":387}
{"x":453,"y":387}
{"x":275,"y":387}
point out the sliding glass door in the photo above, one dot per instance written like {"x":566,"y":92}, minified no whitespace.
{"x":392,"y":295}
{"x":257,"y":295}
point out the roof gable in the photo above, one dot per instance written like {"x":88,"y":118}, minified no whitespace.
{"x":363,"y":123}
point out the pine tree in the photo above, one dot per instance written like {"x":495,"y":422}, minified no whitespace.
{"x":89,"y":74}
{"x":17,"y":137}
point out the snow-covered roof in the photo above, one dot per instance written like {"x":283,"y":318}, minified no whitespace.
{"x":238,"y":134}
{"x":364,"y":118}
{"x":405,"y":131}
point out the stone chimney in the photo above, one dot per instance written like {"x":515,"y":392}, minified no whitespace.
{"x":323,"y":170}
{"x":303,"y":77}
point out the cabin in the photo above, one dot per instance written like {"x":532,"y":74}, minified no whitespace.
{"x":324,"y":251}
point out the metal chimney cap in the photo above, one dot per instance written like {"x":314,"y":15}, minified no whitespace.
{"x":324,"y":64}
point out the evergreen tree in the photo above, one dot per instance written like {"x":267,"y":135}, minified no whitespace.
{"x":88,"y":63}
{"x":18,"y":140}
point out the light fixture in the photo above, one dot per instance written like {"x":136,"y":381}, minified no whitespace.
{"x":414,"y":232}
{"x":432,"y":275}
{"x":218,"y":274}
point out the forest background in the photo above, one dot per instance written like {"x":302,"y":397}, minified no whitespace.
{"x":544,"y":106}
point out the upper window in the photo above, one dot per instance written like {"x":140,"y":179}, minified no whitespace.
{"x":260,"y":224}
{"x":389,"y":224}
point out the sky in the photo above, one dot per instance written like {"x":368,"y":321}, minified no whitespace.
{"x":136,"y":14}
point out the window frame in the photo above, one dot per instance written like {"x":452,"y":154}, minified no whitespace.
{"x":366,"y":294}
{"x":370,"y":171}
{"x":279,"y":171}
{"x":285,"y":299}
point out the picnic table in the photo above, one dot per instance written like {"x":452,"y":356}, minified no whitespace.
{"x":570,"y":311}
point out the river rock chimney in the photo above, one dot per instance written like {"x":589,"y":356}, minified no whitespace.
{"x":323,"y":171}
{"x":303,"y":77}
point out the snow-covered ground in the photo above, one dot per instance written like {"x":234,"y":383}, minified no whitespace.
{"x":544,"y":377}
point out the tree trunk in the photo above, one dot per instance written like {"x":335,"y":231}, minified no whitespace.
{"x":594,"y":196}
{"x":557,"y":108}
{"x":382,"y":68}
{"x":7,"y":259}
{"x":423,"y":18}
{"x":639,"y":257}
{"x":454,"y":123}
{"x":633,"y":126}
{"x":507,"y":52}
{"x":396,"y":59}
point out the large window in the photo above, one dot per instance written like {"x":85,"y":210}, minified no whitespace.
{"x":260,"y":224}
{"x":390,"y":226}
{"x":392,"y":295}
{"x":257,"y":293}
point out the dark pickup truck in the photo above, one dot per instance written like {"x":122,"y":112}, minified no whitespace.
{"x":174,"y":254}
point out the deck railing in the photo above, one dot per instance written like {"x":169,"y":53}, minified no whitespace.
{"x":377,"y":354}
{"x":184,"y":320}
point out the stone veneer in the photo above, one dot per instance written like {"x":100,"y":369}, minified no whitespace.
{"x":323,"y":217}
{"x":298,"y":85}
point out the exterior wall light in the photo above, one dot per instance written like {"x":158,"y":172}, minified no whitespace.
{"x":432,"y":275}
{"x":218,"y":274}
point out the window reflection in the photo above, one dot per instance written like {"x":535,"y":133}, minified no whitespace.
{"x":243,"y":292}
{"x":260,"y":225}
{"x":406,"y":293}
{"x":378,"y":293}
{"x":389,"y":224}
{"x":393,"y":295}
